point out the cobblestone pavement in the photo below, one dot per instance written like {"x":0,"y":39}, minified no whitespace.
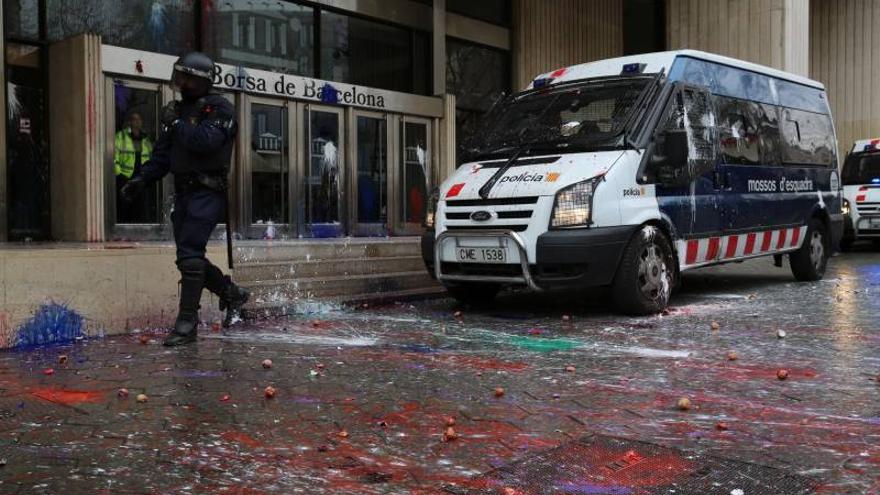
{"x":363,"y":396}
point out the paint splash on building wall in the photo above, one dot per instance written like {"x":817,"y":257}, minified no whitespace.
{"x":7,"y":333}
{"x":52,"y":323}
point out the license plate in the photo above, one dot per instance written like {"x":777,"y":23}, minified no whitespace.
{"x":874,"y":223}
{"x":481,"y":254}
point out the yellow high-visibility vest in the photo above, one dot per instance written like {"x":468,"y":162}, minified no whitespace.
{"x":124,"y":154}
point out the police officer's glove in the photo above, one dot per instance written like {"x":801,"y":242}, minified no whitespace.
{"x":133,"y":188}
{"x":170,"y":114}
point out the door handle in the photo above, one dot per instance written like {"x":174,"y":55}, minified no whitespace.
{"x":718,"y":179}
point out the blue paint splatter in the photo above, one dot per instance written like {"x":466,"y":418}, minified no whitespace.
{"x":329,"y":94}
{"x":52,"y":324}
{"x":198,"y":374}
{"x":418,"y":348}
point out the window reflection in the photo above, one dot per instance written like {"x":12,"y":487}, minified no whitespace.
{"x":27,"y":158}
{"x":136,"y":130}
{"x":415,"y":170}
{"x":372,"y":177}
{"x":807,"y":138}
{"x":156,"y":25}
{"x":276,"y":36}
{"x":369,"y":53}
{"x":21,"y":19}
{"x":269,"y":182}
{"x":321,"y":182}
{"x":478,"y":76}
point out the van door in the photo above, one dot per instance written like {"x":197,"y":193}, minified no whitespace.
{"x":690,"y":198}
{"x":749,"y":173}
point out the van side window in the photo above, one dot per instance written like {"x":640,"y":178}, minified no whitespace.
{"x":771,"y":142}
{"x":748,"y":132}
{"x":738,"y":132}
{"x":807,"y":138}
{"x":699,"y":120}
{"x":688,"y":110}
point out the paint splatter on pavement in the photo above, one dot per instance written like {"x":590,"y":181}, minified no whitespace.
{"x":363,"y":399}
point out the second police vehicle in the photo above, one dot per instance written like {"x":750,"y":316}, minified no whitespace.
{"x":861,"y":192}
{"x":626,"y":172}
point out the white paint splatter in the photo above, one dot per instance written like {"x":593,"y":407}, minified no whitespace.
{"x":316,"y":340}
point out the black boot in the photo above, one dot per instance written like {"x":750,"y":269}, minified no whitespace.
{"x":233,"y":299}
{"x":231,"y":296}
{"x":215,"y":281}
{"x":192,"y":278}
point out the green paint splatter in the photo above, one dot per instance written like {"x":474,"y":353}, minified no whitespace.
{"x":543,"y":345}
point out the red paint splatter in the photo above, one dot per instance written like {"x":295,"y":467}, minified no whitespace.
{"x":67,"y":397}
{"x":241,"y":438}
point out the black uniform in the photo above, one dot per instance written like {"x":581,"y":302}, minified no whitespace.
{"x":196,"y":146}
{"x":197,"y":149}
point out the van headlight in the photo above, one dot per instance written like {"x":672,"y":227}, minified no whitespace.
{"x":573,"y":206}
{"x":845,"y":208}
{"x":432,"y":208}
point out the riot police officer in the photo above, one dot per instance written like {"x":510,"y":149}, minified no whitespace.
{"x":198,"y":133}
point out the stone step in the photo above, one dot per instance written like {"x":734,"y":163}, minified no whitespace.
{"x":300,"y":269}
{"x":307,"y":306}
{"x":288,"y":290}
{"x":308,"y":250}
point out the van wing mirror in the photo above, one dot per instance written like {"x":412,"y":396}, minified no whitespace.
{"x":670,"y":157}
{"x":675,"y":146}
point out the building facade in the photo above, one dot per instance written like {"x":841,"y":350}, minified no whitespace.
{"x":350,"y":111}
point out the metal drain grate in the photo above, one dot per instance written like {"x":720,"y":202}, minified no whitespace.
{"x":601,"y":465}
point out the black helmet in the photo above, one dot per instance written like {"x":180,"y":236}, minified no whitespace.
{"x":193,"y":75}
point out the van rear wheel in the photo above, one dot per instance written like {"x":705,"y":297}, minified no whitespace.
{"x":809,"y":262}
{"x":646,"y":274}
{"x":473,"y":294}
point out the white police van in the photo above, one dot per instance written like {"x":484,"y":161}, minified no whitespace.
{"x":861,"y":192}
{"x":626,"y":172}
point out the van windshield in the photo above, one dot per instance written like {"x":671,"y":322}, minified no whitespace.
{"x":861,"y":168}
{"x":575,"y":118}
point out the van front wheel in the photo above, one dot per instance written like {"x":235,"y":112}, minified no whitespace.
{"x":809,"y":262}
{"x":646,"y":274}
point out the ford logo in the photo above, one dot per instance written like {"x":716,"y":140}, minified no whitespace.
{"x":481,"y":216}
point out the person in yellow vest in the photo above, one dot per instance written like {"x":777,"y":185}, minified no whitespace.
{"x":132,"y":148}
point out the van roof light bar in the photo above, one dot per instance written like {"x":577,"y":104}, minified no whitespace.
{"x":635,"y":68}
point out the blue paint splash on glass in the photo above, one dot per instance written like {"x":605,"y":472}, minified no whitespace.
{"x":52,"y":324}
{"x":329,"y":94}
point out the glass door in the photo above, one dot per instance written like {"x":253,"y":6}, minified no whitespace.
{"x":413,"y":174}
{"x":323,"y":173}
{"x":370,"y":183}
{"x":268,"y":134}
{"x":27,"y":165}
{"x":132,"y":130}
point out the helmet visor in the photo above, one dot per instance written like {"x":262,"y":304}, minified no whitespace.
{"x":189,"y":82}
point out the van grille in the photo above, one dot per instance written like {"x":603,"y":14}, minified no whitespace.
{"x":460,"y":228}
{"x":525,"y":200}
{"x":868,"y":208}
{"x":507,"y":213}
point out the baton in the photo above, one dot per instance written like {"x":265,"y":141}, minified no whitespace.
{"x":228,"y":234}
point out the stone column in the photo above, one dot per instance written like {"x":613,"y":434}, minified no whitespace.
{"x":76,"y":124}
{"x":548,"y":35}
{"x":774,"y":33}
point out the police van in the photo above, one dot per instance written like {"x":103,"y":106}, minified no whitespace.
{"x":626,"y":172}
{"x":861,"y":192}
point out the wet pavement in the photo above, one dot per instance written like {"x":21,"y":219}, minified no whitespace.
{"x":364,"y":398}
